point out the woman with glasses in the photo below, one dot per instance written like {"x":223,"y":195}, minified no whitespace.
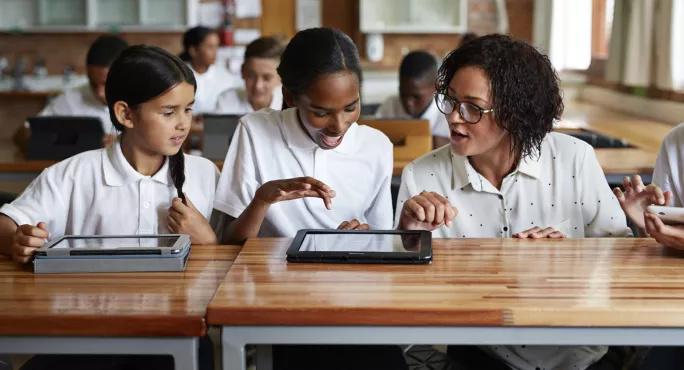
{"x":505,"y":174}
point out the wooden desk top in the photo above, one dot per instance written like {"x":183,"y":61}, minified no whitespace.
{"x":122,"y":304}
{"x":480,"y":282}
{"x":642,"y":133}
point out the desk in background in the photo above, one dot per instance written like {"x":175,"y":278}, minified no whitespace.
{"x":476,"y":292}
{"x":107,"y":313}
{"x":645,"y":136}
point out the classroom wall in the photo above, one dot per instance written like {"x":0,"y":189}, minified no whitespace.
{"x":482,"y":19}
{"x":68,"y":49}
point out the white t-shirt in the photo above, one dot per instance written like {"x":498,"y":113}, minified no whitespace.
{"x":234,"y":101}
{"x":272,"y":145}
{"x":99,"y":193}
{"x":79,"y":101}
{"x":392,"y":108}
{"x":669,"y":165}
{"x":564,"y":188}
{"x":210,"y":84}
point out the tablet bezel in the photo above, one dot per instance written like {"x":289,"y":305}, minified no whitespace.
{"x":182,"y":243}
{"x":422,"y":257}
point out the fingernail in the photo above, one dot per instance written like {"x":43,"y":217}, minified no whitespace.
{"x":448,"y":223}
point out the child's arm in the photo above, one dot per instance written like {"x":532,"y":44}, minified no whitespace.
{"x":247,"y":225}
{"x":7,"y":230}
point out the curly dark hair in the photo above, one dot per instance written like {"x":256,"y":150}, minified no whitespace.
{"x":525,"y":93}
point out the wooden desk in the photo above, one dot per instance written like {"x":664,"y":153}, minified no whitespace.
{"x":123,"y":313}
{"x":477,"y":291}
{"x":641,"y":133}
{"x":645,"y":135}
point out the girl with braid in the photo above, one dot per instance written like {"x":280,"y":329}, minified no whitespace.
{"x":142,"y":184}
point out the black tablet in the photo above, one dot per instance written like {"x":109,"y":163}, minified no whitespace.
{"x":351,"y":246}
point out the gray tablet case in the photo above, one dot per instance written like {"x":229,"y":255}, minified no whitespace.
{"x":43,"y":265}
{"x":60,"y":261}
{"x":218,"y":133}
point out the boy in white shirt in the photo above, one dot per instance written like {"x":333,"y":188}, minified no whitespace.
{"x":87,"y":100}
{"x":262,"y":83}
{"x":417,"y":75}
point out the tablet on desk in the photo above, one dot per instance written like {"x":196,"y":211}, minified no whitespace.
{"x":352,"y":246}
{"x":122,"y":245}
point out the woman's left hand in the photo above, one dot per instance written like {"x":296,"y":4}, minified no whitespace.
{"x":667,"y":235}
{"x":539,"y":233}
{"x":353,"y":225}
{"x":186,"y":219}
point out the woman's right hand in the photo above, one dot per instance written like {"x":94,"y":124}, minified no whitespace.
{"x":26,"y":240}
{"x":297,"y":188}
{"x":637,"y":197}
{"x":426,"y":211}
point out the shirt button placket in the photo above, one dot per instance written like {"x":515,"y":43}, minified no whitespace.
{"x":504,"y":217}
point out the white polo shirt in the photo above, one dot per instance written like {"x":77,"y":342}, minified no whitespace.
{"x":670,"y":165}
{"x":392,"y":108}
{"x":234,"y":101}
{"x":99,"y":193}
{"x":272,"y":145}
{"x":209,"y":85}
{"x":79,"y":101}
{"x":564,"y":188}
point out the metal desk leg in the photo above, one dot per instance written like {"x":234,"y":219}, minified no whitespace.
{"x":232,"y":350}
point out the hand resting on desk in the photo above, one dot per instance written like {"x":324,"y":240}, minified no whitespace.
{"x":353,"y":225}
{"x":539,"y":233}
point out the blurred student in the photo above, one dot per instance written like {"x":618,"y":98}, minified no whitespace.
{"x":262,"y":83}
{"x":200,"y":47}
{"x":417,"y":75}
{"x":87,"y":100}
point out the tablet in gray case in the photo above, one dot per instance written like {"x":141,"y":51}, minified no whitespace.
{"x":122,"y":253}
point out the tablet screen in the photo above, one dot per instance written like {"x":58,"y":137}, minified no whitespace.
{"x":397,"y":243}
{"x":115,"y":243}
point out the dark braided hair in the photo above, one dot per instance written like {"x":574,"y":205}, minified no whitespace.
{"x":313,"y":52}
{"x":524,"y":87}
{"x":140,"y":74}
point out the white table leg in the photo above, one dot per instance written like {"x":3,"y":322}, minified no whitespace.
{"x":232,"y":350}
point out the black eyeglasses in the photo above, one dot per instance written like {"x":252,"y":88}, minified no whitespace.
{"x":470,"y":112}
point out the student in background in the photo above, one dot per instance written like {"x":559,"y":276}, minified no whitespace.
{"x":87,"y":100}
{"x":417,"y":75}
{"x":262,"y":83}
{"x":311,"y":167}
{"x":200,"y":47}
{"x":150,"y":94}
{"x":505,"y":174}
